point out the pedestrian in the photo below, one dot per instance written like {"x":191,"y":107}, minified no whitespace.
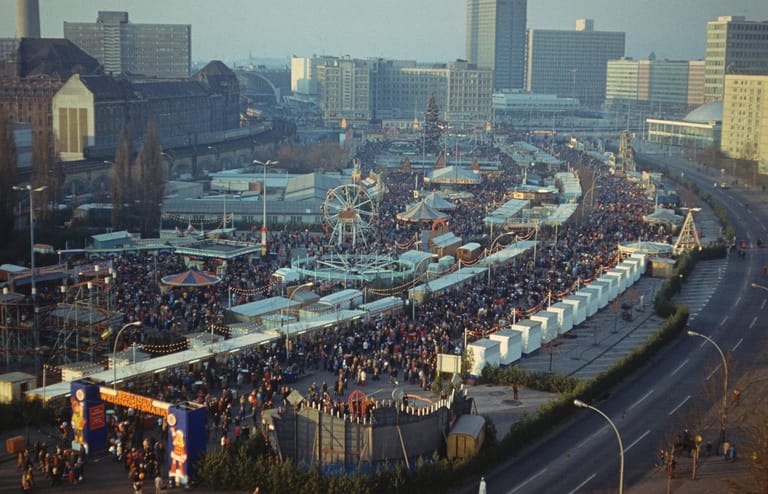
{"x":26,"y":480}
{"x":732,"y":453}
{"x":514,"y":391}
{"x":481,"y":489}
{"x":726,"y":447}
{"x":708,"y":448}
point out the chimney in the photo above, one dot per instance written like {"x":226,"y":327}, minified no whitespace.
{"x":27,"y":19}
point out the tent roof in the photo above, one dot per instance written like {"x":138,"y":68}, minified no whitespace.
{"x":420,"y":212}
{"x":436,"y":201}
{"x":663,"y":215}
{"x":191,"y":278}
{"x":453,"y":175}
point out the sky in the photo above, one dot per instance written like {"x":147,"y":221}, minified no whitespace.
{"x":421,"y":30}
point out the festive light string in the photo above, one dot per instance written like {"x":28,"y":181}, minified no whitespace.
{"x":166,"y":348}
{"x":188,"y":220}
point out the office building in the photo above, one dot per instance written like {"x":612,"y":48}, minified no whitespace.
{"x":698,"y":130}
{"x":122,"y":47}
{"x":27,"y":19}
{"x":91,"y":110}
{"x":734,"y":46}
{"x":345,"y":90}
{"x":496,"y":39}
{"x":745,"y":119}
{"x":657,"y":87}
{"x":572,"y":63}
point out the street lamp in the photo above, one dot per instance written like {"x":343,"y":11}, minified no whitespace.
{"x":265,"y":164}
{"x":725,"y":382}
{"x":106,"y":334}
{"x":290,"y":298}
{"x":581,"y":404}
{"x":33,"y":287}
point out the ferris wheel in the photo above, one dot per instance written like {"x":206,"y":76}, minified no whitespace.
{"x":349,"y":212}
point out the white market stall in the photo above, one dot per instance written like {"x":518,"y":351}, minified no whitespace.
{"x":254,"y":311}
{"x":531,"y":331}
{"x":510,"y":345}
{"x":591,"y":300}
{"x":621,"y":276}
{"x":601,"y":288}
{"x":484,"y":352}
{"x":549,"y":324}
{"x":564,"y":316}
{"x":613,"y":286}
{"x":387,"y":305}
{"x":345,"y":299}
{"x":579,"y":304}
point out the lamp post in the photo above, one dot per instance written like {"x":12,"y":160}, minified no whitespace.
{"x":582,"y":404}
{"x":265,"y":164}
{"x":724,"y":417}
{"x":295,"y":290}
{"x":33,"y":287}
{"x":106,"y":335}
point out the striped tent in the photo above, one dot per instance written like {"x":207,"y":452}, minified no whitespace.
{"x":191,"y":278}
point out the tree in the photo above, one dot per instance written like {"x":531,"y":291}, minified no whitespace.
{"x":432,"y":131}
{"x":150,"y":183}
{"x":122,"y":189}
{"x":7,"y":175}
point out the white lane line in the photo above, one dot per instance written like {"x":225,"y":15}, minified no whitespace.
{"x":640,"y":400}
{"x":737,"y":345}
{"x":585,"y":441}
{"x":680,"y":405}
{"x":762,"y":306}
{"x":713,"y":372}
{"x":589,"y":479}
{"x":737,"y":301}
{"x":679,"y":367}
{"x":722,"y":323}
{"x":752,"y":324}
{"x":703,"y":343}
{"x":637,"y":440}
{"x":541,"y":472}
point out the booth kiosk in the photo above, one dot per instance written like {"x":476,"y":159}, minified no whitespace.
{"x":621,"y":277}
{"x":89,"y":416}
{"x":579,"y":304}
{"x":549,"y":324}
{"x":604,"y":289}
{"x":613,"y":286}
{"x":531,"y":331}
{"x":636,"y":269}
{"x":510,"y":346}
{"x":643,"y":259}
{"x":484,"y":352}
{"x":628,"y":271}
{"x":564,"y":316}
{"x":591,"y":300}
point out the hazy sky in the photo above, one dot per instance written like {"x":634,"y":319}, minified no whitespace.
{"x":422,"y":30}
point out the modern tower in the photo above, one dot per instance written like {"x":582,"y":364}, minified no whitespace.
{"x":572,"y":63}
{"x":152,"y":50}
{"x":27,"y":19}
{"x":734,"y":46}
{"x":496,"y":39}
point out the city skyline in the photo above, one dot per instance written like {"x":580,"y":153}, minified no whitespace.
{"x":679,"y":35}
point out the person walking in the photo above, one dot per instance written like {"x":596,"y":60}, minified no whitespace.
{"x":481,"y":488}
{"x":514,"y":391}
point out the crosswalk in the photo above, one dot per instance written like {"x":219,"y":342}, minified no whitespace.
{"x":698,"y":289}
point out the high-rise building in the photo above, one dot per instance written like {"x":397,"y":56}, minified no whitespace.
{"x":151,"y":50}
{"x":655,"y":86}
{"x":572,"y":63}
{"x":27,"y":19}
{"x":734,"y":46}
{"x":745,"y":119}
{"x":496,"y":39}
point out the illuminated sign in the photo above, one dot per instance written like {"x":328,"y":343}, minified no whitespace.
{"x":137,"y":402}
{"x":96,"y":418}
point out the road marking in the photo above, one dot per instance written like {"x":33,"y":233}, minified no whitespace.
{"x":541,"y":472}
{"x":637,"y":440}
{"x":762,"y":306}
{"x":589,"y":479}
{"x":641,"y":399}
{"x":738,"y":343}
{"x":722,"y":323}
{"x":585,"y":441}
{"x":737,"y":301}
{"x":680,"y":405}
{"x":703,"y":343}
{"x":679,"y":367}
{"x":752,"y":324}
{"x":713,"y":372}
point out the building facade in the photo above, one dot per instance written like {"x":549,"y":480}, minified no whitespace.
{"x":495,"y":39}
{"x":151,"y":50}
{"x":745,"y":119}
{"x":572,"y":63}
{"x":90,"y":111}
{"x":734,"y":46}
{"x":654,"y":86}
